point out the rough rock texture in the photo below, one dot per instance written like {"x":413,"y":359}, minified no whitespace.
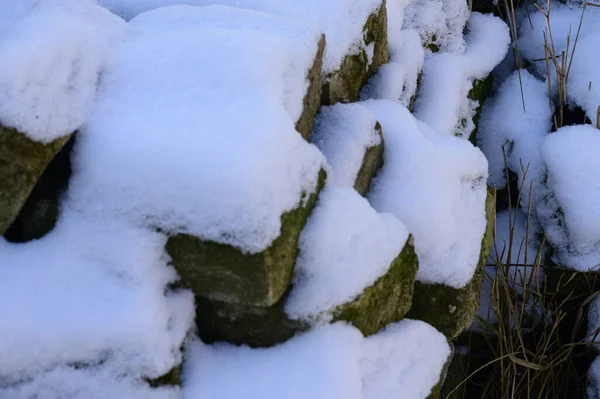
{"x":385,"y":302}
{"x":41,"y":210}
{"x":449,"y":309}
{"x":22,"y":162}
{"x":480,"y":91}
{"x":223,"y":273}
{"x":372,"y":162}
{"x":411,"y":105}
{"x":312,"y":100}
{"x":344,"y":84}
{"x":245,"y":325}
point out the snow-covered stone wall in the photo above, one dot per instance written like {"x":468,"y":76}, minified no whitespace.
{"x":240,"y":198}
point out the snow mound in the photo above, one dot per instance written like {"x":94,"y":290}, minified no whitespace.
{"x":521,"y":134}
{"x":448,"y":76}
{"x":162,"y":149}
{"x":565,"y":18}
{"x":341,"y":21}
{"x":343,"y":133}
{"x":569,"y":209}
{"x":330,"y":361}
{"x":435,"y":184}
{"x":51,"y":55}
{"x":345,"y":247}
{"x":90,"y":291}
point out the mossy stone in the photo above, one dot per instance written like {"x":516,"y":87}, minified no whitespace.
{"x":372,"y":163}
{"x":223,"y":273}
{"x":312,"y":99}
{"x":255,"y":326}
{"x":345,"y":83}
{"x":480,"y":91}
{"x":171,"y":378}
{"x":41,"y":209}
{"x":386,"y":301}
{"x":451,"y":310}
{"x":22,"y":162}
{"x":413,"y":99}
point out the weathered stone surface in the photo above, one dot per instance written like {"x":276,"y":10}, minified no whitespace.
{"x":172,"y":378}
{"x":41,"y":210}
{"x":386,"y":301}
{"x":22,"y":162}
{"x":255,"y":326}
{"x":372,"y":162}
{"x":312,"y":99}
{"x":344,"y":84}
{"x":451,"y":310}
{"x":411,"y":105}
{"x":223,"y":273}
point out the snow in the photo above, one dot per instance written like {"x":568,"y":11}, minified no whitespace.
{"x":565,"y":18}
{"x":397,"y":80}
{"x":593,"y":332}
{"x":302,"y":41}
{"x":343,"y":133}
{"x":100,"y":382}
{"x":341,"y":21}
{"x":448,"y":76}
{"x":435,"y":184}
{"x":162,"y":149}
{"x":345,"y":247}
{"x":330,"y":361}
{"x":90,"y":291}
{"x":593,"y":389}
{"x":438,"y":21}
{"x":51,"y":55}
{"x":569,"y":212}
{"x":521,"y":134}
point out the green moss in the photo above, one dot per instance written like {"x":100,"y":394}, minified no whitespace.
{"x":480,"y":91}
{"x":411,"y":105}
{"x":312,"y":99}
{"x":172,"y":378}
{"x":431,"y":44}
{"x":223,"y":273}
{"x":345,"y":83}
{"x":386,"y":301}
{"x":22,"y":162}
{"x":372,"y":163}
{"x":451,"y":310}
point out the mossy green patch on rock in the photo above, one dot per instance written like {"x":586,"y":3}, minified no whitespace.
{"x":480,"y":91}
{"x":372,"y":163}
{"x":171,"y":378}
{"x":22,"y":162}
{"x":254,"y":326}
{"x":386,"y":301}
{"x":411,"y":105}
{"x":221,"y":272}
{"x":312,"y":99}
{"x":451,"y":310}
{"x":345,"y":83}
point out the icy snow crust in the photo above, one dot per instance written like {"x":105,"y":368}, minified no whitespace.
{"x":343,"y":133}
{"x":330,"y":361}
{"x":345,"y":247}
{"x":341,"y":21}
{"x":435,"y":184}
{"x":178,"y":160}
{"x":51,"y":55}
